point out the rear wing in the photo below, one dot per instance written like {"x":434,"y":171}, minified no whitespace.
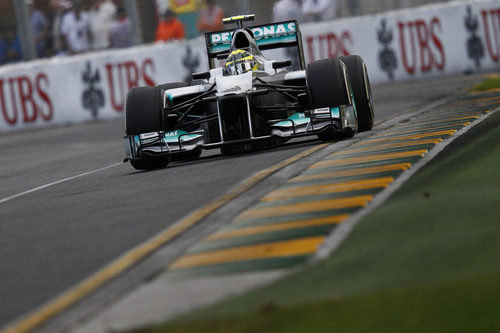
{"x":267,"y":36}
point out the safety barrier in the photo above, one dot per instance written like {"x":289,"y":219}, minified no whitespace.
{"x":441,"y":39}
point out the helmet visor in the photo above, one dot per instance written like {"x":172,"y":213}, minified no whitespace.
{"x":239,"y":65}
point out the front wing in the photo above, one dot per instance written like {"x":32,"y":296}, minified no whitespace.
{"x":298,"y":125}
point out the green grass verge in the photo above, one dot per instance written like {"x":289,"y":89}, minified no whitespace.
{"x":462,"y":306}
{"x":490,"y":83}
{"x":429,"y":258}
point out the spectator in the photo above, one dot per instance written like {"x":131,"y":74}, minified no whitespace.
{"x":40,"y":28}
{"x":210,"y":18}
{"x":285,"y":10}
{"x":101,"y":15}
{"x":319,"y":10}
{"x":169,"y":28}
{"x":59,"y":9}
{"x":10,"y":47}
{"x":120,"y":32}
{"x":75,"y":27}
{"x":187,"y":12}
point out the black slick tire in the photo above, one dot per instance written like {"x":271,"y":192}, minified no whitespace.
{"x":328,"y":134}
{"x":143,"y":115}
{"x":143,"y":110}
{"x":326,"y":83}
{"x":150,"y":163}
{"x":361,"y":89}
{"x":187,"y":156}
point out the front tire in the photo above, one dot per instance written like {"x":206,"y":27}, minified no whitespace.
{"x":186,"y":156}
{"x":143,"y":115}
{"x":362,"y":91}
{"x":150,"y":163}
{"x":327,"y":83}
{"x":143,"y":110}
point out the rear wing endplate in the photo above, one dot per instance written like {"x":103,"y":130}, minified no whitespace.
{"x":267,"y":36}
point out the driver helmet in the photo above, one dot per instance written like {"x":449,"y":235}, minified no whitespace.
{"x":240,"y":62}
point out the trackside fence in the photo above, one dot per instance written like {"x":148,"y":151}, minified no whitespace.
{"x":429,"y":41}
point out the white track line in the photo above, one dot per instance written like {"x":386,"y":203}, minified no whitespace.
{"x":57,"y":182}
{"x":339,"y":234}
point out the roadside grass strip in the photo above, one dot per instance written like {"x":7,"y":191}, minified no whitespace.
{"x":467,"y":305}
{"x":289,"y":224}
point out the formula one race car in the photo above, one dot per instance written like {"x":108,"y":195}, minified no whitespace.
{"x":250,"y":102}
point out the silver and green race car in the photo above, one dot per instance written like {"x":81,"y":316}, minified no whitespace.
{"x":249,"y":102}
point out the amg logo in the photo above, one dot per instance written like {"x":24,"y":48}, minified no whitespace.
{"x":170,"y":134}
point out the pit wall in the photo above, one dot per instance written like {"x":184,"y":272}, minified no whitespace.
{"x":429,"y":41}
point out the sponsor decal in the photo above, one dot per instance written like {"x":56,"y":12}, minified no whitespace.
{"x":93,"y":96}
{"x":475,"y":47}
{"x":25,"y":100}
{"x":328,"y":45}
{"x":173,"y":137}
{"x":270,"y":31}
{"x":191,"y":63}
{"x":124,"y":75}
{"x":421,"y":45}
{"x":491,"y":23}
{"x":387,"y":59}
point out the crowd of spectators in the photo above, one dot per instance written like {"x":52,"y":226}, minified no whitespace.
{"x":185,"y":15}
{"x":70,"y":27}
{"x":305,"y":10}
{"x":75,"y":26}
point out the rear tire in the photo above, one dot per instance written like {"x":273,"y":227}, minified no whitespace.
{"x":362,"y":91}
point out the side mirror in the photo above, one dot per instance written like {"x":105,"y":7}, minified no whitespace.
{"x":201,"y":76}
{"x":282,"y":64}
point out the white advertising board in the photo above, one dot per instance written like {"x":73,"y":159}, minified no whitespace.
{"x":435,"y":40}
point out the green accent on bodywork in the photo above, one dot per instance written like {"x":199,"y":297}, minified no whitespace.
{"x":170,"y":137}
{"x":174,"y":136}
{"x":300,"y":118}
{"x":170,"y":98}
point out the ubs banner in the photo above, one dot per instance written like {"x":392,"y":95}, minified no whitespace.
{"x":452,"y":38}
{"x":457,"y":37}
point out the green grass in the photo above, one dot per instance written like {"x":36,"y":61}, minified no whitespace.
{"x":462,"y":306}
{"x":429,"y":258}
{"x":488,"y":84}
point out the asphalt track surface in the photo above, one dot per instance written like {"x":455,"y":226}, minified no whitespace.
{"x":54,"y":237}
